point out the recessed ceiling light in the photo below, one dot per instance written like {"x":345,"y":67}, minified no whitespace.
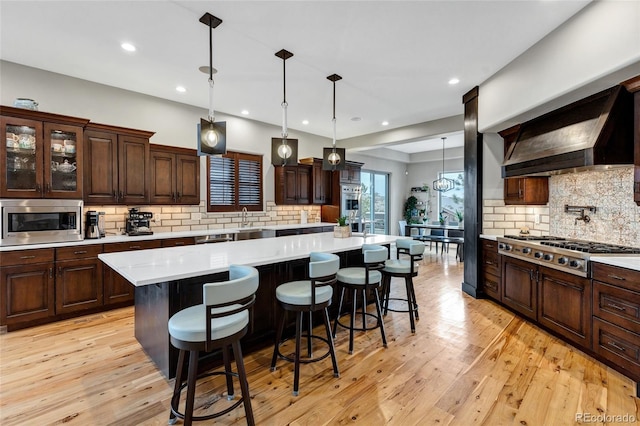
{"x":305,"y":122}
{"x":180,"y":89}
{"x":244,"y":112}
{"x":454,"y":81}
{"x":385,"y":123}
{"x":128,"y":47}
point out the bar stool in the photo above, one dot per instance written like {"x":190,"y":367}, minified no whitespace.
{"x":218,"y":323}
{"x":308,"y":296}
{"x":363,"y":280}
{"x":403,"y":268}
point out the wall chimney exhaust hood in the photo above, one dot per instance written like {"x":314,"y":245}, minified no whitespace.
{"x":592,"y":133}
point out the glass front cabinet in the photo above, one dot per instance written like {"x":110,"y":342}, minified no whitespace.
{"x":41,"y":157}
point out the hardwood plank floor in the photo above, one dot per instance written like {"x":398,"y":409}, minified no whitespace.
{"x":470,"y":362}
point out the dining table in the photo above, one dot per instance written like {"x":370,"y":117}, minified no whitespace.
{"x":443,"y":239}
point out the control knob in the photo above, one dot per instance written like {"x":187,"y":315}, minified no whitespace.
{"x":537,"y":254}
{"x":575,"y":264}
{"x":526,"y":250}
{"x":505,"y":246}
{"x":547,"y":257}
{"x":563,"y":260}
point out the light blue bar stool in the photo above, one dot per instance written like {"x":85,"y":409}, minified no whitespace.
{"x":363,"y":280}
{"x":308,"y":296}
{"x":218,"y":323}
{"x":407,"y":269}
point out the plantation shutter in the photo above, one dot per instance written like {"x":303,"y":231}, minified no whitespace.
{"x":235,"y":181}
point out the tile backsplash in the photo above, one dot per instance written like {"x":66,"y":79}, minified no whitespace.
{"x":196,"y":218}
{"x":616,"y":220}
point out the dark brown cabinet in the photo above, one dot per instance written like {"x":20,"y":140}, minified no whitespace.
{"x":178,"y":242}
{"x":43,"y":154}
{"x":79,"y":278}
{"x":531,"y":190}
{"x":26,"y":286}
{"x":321,"y":191}
{"x":175,"y":175}
{"x":351,"y":172}
{"x":633,"y":86}
{"x":564,"y":305}
{"x":117,"y":163}
{"x":519,"y":290}
{"x":616,"y":317}
{"x":116,"y":288}
{"x":292,"y":184}
{"x":491,"y":270}
{"x":522,"y":191}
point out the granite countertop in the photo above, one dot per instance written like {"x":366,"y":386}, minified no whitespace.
{"x":160,"y":236}
{"x":152,"y":266}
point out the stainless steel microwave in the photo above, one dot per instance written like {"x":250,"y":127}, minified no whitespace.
{"x":36,"y":221}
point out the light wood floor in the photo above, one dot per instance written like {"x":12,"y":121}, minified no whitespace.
{"x":470,"y":362}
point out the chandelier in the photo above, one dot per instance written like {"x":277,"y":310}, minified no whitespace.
{"x":443,"y":184}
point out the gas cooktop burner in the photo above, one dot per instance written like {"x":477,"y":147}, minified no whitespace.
{"x":591,"y":247}
{"x":535,"y":237}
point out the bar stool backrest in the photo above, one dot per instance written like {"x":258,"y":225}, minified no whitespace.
{"x":323,"y":270}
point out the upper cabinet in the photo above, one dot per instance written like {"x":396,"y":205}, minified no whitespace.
{"x":42,"y":156}
{"x":175,"y":175}
{"x":525,"y":190}
{"x":292,"y":184}
{"x":117,"y":163}
{"x":320,"y":181}
{"x":633,"y":86}
{"x":351,"y":172}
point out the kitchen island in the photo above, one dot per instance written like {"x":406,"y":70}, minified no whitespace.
{"x":169,"y":279}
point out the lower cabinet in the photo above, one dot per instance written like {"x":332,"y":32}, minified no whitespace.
{"x":116,"y":288}
{"x":78,"y":278}
{"x":27,"y":285}
{"x":519,"y":289}
{"x":491,"y":270}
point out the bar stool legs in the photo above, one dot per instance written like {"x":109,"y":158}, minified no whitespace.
{"x":412,"y":304}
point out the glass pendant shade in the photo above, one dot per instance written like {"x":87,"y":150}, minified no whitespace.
{"x":443,"y":184}
{"x":333,"y":158}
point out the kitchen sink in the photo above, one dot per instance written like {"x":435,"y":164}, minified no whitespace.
{"x":253,"y":233}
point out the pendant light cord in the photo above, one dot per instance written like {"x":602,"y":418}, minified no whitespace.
{"x":285,"y":132}
{"x":211,"y":113}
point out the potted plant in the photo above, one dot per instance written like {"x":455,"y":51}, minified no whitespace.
{"x":410,"y":209}
{"x":459,"y":215}
{"x":342,"y":229}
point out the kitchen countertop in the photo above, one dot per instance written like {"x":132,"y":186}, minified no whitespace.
{"x":490,"y":237}
{"x":629,"y":262}
{"x":161,"y":236}
{"x":152,"y":266}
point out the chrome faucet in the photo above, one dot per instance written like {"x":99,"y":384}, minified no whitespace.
{"x":244,"y":218}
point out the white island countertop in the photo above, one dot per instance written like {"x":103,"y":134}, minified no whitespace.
{"x":152,"y":266}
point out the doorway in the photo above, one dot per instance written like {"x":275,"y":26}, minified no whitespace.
{"x":374,"y":200}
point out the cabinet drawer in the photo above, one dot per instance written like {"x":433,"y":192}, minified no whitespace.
{"x":491,"y":264}
{"x":491,"y":286}
{"x":25,"y":257}
{"x":78,"y":252}
{"x":618,"y":345}
{"x":178,"y":242}
{"x":620,"y":277}
{"x":616,"y":305}
{"x":133,"y":245}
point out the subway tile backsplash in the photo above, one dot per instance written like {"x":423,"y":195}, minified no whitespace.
{"x":196,"y":218}
{"x":616,"y":221}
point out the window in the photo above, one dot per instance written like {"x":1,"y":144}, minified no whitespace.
{"x":374,"y":196}
{"x":234,"y":181}
{"x":452,"y":202}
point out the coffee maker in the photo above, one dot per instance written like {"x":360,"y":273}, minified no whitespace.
{"x":138,"y":222}
{"x":91,"y":228}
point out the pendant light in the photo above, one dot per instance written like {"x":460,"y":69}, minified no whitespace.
{"x":212,"y":136}
{"x":443,"y":184}
{"x":333,"y":158}
{"x":284,"y":151}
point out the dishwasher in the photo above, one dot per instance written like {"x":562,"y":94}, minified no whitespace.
{"x":215,"y":238}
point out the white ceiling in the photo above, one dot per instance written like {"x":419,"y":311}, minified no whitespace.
{"x":395,"y":57}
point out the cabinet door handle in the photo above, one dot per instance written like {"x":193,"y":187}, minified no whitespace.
{"x":48,"y":187}
{"x":179,"y":244}
{"x":59,"y":271}
{"x":27,"y":257}
{"x":115,"y":195}
{"x":134,"y":247}
{"x":38,"y":188}
{"x":618,"y":347}
{"x":121,"y":196}
{"x":616,"y":307}
{"x":179,"y":196}
{"x":488,"y":262}
{"x":80,"y":252}
{"x":50,"y":272}
{"x":616,"y":277}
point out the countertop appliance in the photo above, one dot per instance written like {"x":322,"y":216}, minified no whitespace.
{"x":138,"y":223}
{"x":35,"y":221}
{"x":563,"y":254}
{"x":101,"y":224}
{"x":91,"y":228}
